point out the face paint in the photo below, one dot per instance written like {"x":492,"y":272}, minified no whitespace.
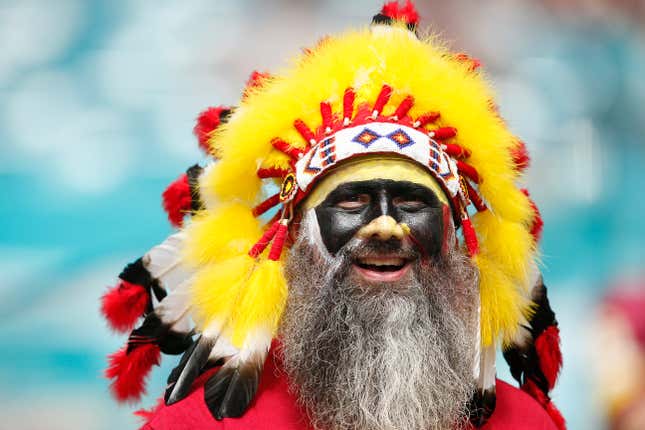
{"x":353,"y":205}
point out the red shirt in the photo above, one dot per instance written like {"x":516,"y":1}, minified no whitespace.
{"x":274,"y":408}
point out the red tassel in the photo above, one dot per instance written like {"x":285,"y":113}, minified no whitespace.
{"x":407,"y":13}
{"x":325,"y":113}
{"x":456,"y":150}
{"x":469,"y":171}
{"x":177,"y":200}
{"x":520,"y":156}
{"x":404,"y":107}
{"x":278,"y":241}
{"x":382,"y":99}
{"x":207,"y":123}
{"x":348,"y":105}
{"x":264,"y":241}
{"x":475,"y":199}
{"x":537,"y":224}
{"x":128,"y":370}
{"x":443,"y":133}
{"x":547,"y":346}
{"x":272,"y":172}
{"x":282,"y":146}
{"x":426,"y":119}
{"x":123,"y":304}
{"x":470,"y":237}
{"x":272,"y":201}
{"x":305,"y":131}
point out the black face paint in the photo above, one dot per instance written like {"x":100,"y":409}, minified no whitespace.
{"x":355,"y":204}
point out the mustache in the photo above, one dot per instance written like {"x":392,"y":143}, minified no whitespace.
{"x":362,"y":248}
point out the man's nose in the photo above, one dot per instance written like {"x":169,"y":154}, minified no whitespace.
{"x":384,"y":228}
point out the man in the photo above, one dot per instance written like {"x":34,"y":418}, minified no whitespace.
{"x":411,"y":255}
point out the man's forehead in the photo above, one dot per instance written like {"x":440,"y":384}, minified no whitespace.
{"x":370,"y":170}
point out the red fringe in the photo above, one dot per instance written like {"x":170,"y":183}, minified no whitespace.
{"x":427,"y":118}
{"x":177,"y":200}
{"x":272,"y":172}
{"x":129,"y":370}
{"x":407,"y":13}
{"x":305,"y":131}
{"x":282,"y":146}
{"x":325,"y":113}
{"x":456,"y":150}
{"x":264,"y":241}
{"x":470,"y":237}
{"x":382,"y":99}
{"x":278,"y":242}
{"x":547,"y":346}
{"x":123,"y":304}
{"x":348,"y":103}
{"x":444,"y":133}
{"x":272,"y":201}
{"x":404,"y":107}
{"x":469,"y":171}
{"x":207,"y":122}
{"x":520,"y":156}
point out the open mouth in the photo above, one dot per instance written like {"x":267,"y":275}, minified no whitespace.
{"x":382,"y":268}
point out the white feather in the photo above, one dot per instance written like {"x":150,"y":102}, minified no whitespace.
{"x":487,"y":372}
{"x":164,"y":262}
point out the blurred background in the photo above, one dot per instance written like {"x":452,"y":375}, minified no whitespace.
{"x":97,"y":103}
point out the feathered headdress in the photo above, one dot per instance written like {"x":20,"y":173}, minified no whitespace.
{"x":377,"y":90}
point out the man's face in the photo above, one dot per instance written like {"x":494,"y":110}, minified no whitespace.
{"x":384,"y":210}
{"x":381,"y":319}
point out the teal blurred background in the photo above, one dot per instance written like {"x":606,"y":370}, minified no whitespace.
{"x":98,"y":100}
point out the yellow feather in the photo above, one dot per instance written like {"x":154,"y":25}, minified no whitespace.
{"x":220,"y":233}
{"x":261,"y":304}
{"x":216,"y":289}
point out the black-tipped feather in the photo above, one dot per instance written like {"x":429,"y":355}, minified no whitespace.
{"x":193,"y":173}
{"x":153,"y":330}
{"x":481,"y":406}
{"x":231,"y":390}
{"x":190,"y":367}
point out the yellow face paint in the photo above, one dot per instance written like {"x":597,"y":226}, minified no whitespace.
{"x":374,"y":167}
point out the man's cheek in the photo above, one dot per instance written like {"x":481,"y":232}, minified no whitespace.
{"x":427,"y":230}
{"x":337,"y":228}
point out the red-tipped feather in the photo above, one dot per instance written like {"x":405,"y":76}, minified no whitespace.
{"x":129,"y":370}
{"x":264,"y":241}
{"x":407,"y":12}
{"x":382,"y":99}
{"x":537,"y":224}
{"x":547,"y":346}
{"x":207,"y":122}
{"x":177,"y":200}
{"x":348,"y":104}
{"x":255,"y":81}
{"x":404,"y":107}
{"x":123,"y":304}
{"x":278,"y":241}
{"x":520,"y":156}
{"x":267,"y":204}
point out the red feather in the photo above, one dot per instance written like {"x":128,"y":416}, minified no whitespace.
{"x":556,"y":416}
{"x":407,"y":12}
{"x":207,"y":122}
{"x":129,"y":370}
{"x":255,"y":82}
{"x":547,"y":346}
{"x":177,"y":200}
{"x":123,"y":304}
{"x":470,"y":237}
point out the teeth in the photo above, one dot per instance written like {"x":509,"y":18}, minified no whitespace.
{"x":383,"y":261}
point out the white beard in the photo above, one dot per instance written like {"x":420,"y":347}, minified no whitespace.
{"x":379,"y":358}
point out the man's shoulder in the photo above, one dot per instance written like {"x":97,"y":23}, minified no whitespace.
{"x":516,"y":409}
{"x":275,"y":408}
